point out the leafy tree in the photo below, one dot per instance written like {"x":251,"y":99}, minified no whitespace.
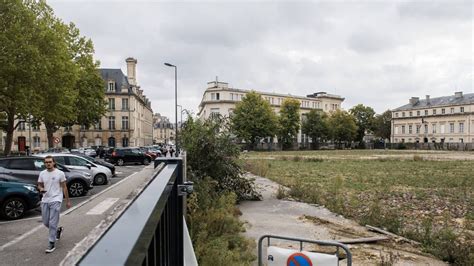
{"x":383,"y":125}
{"x":316,"y":126}
{"x":19,"y":63}
{"x":288,"y":122}
{"x":253,"y":119}
{"x":365,"y":117}
{"x":343,"y":127}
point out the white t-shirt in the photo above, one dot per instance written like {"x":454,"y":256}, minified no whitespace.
{"x":52,"y":184}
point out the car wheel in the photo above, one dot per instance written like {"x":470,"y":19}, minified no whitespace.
{"x":146,"y":161}
{"x":13,"y":208}
{"x":76,"y":189}
{"x":120,"y":162}
{"x":100,"y":179}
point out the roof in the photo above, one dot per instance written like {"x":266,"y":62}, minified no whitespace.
{"x":117,"y":75}
{"x":439,"y":101}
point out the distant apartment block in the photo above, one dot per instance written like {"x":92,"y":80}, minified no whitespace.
{"x":127,"y":122}
{"x":163,"y":130}
{"x":222,"y":99}
{"x":447,"y":119}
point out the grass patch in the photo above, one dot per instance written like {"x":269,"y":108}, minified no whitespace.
{"x":393,"y":192}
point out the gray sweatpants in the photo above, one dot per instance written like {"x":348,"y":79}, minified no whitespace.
{"x":50,"y":212}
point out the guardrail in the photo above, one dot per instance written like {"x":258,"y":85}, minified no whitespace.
{"x":150,"y":231}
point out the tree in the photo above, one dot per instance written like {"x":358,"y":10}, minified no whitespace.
{"x":19,"y":63}
{"x":383,"y":126}
{"x":316,"y":126}
{"x":288,"y":122}
{"x":253,"y":119}
{"x":364,"y":116}
{"x":343,"y":127}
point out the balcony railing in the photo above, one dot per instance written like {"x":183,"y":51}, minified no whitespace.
{"x":151,"y":231}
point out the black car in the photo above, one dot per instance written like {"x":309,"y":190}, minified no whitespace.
{"x":121,"y":156}
{"x":16,"y":198}
{"x":97,"y":161}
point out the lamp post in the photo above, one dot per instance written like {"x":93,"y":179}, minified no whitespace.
{"x":181,"y":112}
{"x":175,"y":101}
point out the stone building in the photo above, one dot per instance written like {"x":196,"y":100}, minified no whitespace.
{"x":220,"y":98}
{"x":163,"y":130}
{"x":127,"y":122}
{"x":447,"y":119}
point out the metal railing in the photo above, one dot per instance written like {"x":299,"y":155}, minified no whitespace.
{"x":150,"y":230}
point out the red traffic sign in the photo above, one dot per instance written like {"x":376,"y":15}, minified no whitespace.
{"x":56,"y":140}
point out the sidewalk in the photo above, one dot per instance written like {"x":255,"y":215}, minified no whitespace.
{"x":78,"y":222}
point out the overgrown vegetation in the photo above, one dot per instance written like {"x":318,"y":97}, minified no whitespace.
{"x":404,"y":192}
{"x":212,"y":216}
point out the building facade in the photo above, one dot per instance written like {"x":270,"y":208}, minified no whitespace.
{"x":163,"y":130}
{"x":447,"y":119}
{"x":127,"y":122}
{"x":221,"y":99}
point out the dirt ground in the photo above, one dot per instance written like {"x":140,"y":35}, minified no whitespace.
{"x":307,"y":221}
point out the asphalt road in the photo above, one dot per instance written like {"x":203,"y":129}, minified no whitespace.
{"x":121,"y":171}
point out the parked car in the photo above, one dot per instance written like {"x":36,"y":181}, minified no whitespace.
{"x":121,"y":156}
{"x":16,"y":198}
{"x":100,"y":174}
{"x":58,"y":150}
{"x":87,"y":151}
{"x":28,"y":168}
{"x":98,"y":161}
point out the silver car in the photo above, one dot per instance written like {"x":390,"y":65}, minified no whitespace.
{"x":100,"y":174}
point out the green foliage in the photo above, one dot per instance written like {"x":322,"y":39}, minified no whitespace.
{"x":253,"y":119}
{"x":316,"y":126}
{"x":342,"y":126}
{"x":288,"y":122}
{"x":382,"y":125}
{"x":212,"y":215}
{"x":364,"y":117}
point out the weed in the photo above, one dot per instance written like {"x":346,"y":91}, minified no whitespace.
{"x":388,"y":259}
{"x":297,"y":158}
{"x":281,"y":192}
{"x":418,"y":158}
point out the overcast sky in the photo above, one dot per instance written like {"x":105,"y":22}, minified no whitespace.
{"x":378,"y":53}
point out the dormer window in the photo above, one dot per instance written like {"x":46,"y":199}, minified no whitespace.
{"x":111,"y":86}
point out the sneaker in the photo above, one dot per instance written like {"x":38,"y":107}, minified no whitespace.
{"x":50,"y":248}
{"x":58,"y":232}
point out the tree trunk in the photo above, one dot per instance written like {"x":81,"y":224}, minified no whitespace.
{"x":10,"y":129}
{"x":50,"y":129}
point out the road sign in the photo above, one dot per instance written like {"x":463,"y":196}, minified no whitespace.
{"x":56,"y":140}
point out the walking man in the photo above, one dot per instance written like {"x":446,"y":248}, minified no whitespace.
{"x":52,"y":184}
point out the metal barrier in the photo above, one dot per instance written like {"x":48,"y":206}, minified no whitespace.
{"x":301,"y":241}
{"x":150,"y":230}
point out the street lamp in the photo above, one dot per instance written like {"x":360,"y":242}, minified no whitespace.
{"x":175,"y":101}
{"x":181,"y":119}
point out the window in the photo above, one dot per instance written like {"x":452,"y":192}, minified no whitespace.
{"x":461,"y":127}
{"x":434,"y":111}
{"x":125,"y":142}
{"x":410,"y":130}
{"x":215,"y":111}
{"x":39,"y":164}
{"x":111,"y":86}
{"x":232,"y":96}
{"x":215,"y":96}
{"x":36,"y":142}
{"x":403,"y":129}
{"x":443,"y":111}
{"x":36,"y":125}
{"x":124,"y":104}
{"x":22,"y":164}
{"x":396,"y":114}
{"x":452,"y":110}
{"x":21,"y":126}
{"x":98,"y":125}
{"x":396,"y":130}
{"x":451,"y":127}
{"x":418,"y":129}
{"x":418,"y":113}
{"x":411,"y":113}
{"x":426,"y":128}
{"x":111,"y":122}
{"x":426,"y":112}
{"x":461,"y":109}
{"x":403,"y":114}
{"x":111,"y":104}
{"x":433,"y":128}
{"x":68,"y":128}
{"x":77,"y":161}
{"x":124,"y":122}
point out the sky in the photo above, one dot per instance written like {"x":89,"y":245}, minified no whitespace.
{"x":376,"y":53}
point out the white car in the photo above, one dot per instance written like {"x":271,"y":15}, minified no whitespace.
{"x":101,"y":174}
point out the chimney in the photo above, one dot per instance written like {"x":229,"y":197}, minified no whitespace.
{"x":414,"y":100}
{"x":132,"y":70}
{"x":428,"y":99}
{"x":458,"y":94}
